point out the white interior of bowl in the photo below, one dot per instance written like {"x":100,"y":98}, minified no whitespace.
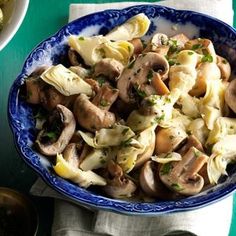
{"x":15,"y":11}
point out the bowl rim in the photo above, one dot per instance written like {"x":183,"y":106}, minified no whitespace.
{"x":16,"y":23}
{"x":99,"y":202}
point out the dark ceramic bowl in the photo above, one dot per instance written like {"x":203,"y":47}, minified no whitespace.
{"x":50,"y":52}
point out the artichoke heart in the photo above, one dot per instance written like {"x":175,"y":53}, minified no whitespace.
{"x":97,"y":158}
{"x":223,"y":153}
{"x":65,"y":81}
{"x":135,"y":27}
{"x":78,"y":176}
{"x":93,"y":49}
{"x":108,"y":137}
{"x":222,"y":127}
{"x":132,"y":151}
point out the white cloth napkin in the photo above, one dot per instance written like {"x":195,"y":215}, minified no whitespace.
{"x":72,"y":220}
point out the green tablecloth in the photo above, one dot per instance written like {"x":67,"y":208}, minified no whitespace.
{"x":42,"y":20}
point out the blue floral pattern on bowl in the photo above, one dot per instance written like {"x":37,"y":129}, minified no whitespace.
{"x":49,"y":52}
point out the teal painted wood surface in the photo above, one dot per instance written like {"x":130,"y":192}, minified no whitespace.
{"x":42,"y":20}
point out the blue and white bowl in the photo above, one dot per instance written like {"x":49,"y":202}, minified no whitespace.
{"x":51,"y":50}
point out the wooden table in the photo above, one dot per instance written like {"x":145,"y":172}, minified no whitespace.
{"x":42,"y":20}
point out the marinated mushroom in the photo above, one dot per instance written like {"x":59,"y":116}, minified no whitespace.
{"x":73,"y":57}
{"x":105,"y":97}
{"x":202,"y":46}
{"x":224,"y":67}
{"x":169,"y":139}
{"x":138,"y":46}
{"x":152,"y":185}
{"x":140,"y":72}
{"x":230,"y":95}
{"x":90,"y":116}
{"x":108,"y":67}
{"x":70,"y":154}
{"x":181,"y":39}
{"x":67,"y":126}
{"x":118,"y":186}
{"x":192,"y":141}
{"x":182,"y":176}
{"x":158,"y":44}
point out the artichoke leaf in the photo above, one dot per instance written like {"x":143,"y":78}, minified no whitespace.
{"x":223,"y":153}
{"x":108,"y":137}
{"x":129,"y":154}
{"x":65,"y":81}
{"x":167,"y":157}
{"x":78,"y":176}
{"x":135,"y":27}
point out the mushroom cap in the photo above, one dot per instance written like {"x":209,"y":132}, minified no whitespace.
{"x":230,"y":95}
{"x":182,"y":176}
{"x":69,"y":125}
{"x":151,"y":184}
{"x":118,"y":186}
{"x":109,"y":67}
{"x":137,"y":74}
{"x":70,"y":154}
{"x":169,"y":139}
{"x":224,"y":67}
{"x":90,"y":116}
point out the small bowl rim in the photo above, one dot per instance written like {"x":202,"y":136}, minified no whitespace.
{"x":15,"y":24}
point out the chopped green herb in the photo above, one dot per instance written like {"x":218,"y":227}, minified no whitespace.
{"x":176,"y":186}
{"x":51,"y":135}
{"x":190,"y":53}
{"x":102,"y":161}
{"x":207,"y":58}
{"x":166,"y":168}
{"x":173,"y":46}
{"x":150,"y":75}
{"x":126,"y":143}
{"x":81,"y":38}
{"x":159,"y":119}
{"x":129,"y":48}
{"x":168,"y":100}
{"x":104,"y":103}
{"x":144,"y":43}
{"x":171,"y":137}
{"x":196,"y":46}
{"x":140,"y":92}
{"x":171,"y":62}
{"x":224,"y":61}
{"x":100,"y":81}
{"x":131,"y":64}
{"x":197,"y":153}
{"x":151,"y":101}
{"x":125,"y":131}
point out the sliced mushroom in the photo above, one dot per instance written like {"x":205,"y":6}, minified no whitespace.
{"x":105,"y":97}
{"x":68,"y":124}
{"x":70,"y":154}
{"x":90,"y":116}
{"x":159,"y":85}
{"x":192,"y":141}
{"x":230,"y":95}
{"x":224,"y":67}
{"x":93,"y":83}
{"x":108,"y":67}
{"x":73,"y":57}
{"x":140,"y":72}
{"x":181,"y":39}
{"x":138,"y":46}
{"x":169,"y":139}
{"x":33,"y":88}
{"x":158,"y":44}
{"x":118,"y":186}
{"x":152,"y":185}
{"x":80,"y":71}
{"x":202,"y":46}
{"x":50,"y":98}
{"x":182,"y":176}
